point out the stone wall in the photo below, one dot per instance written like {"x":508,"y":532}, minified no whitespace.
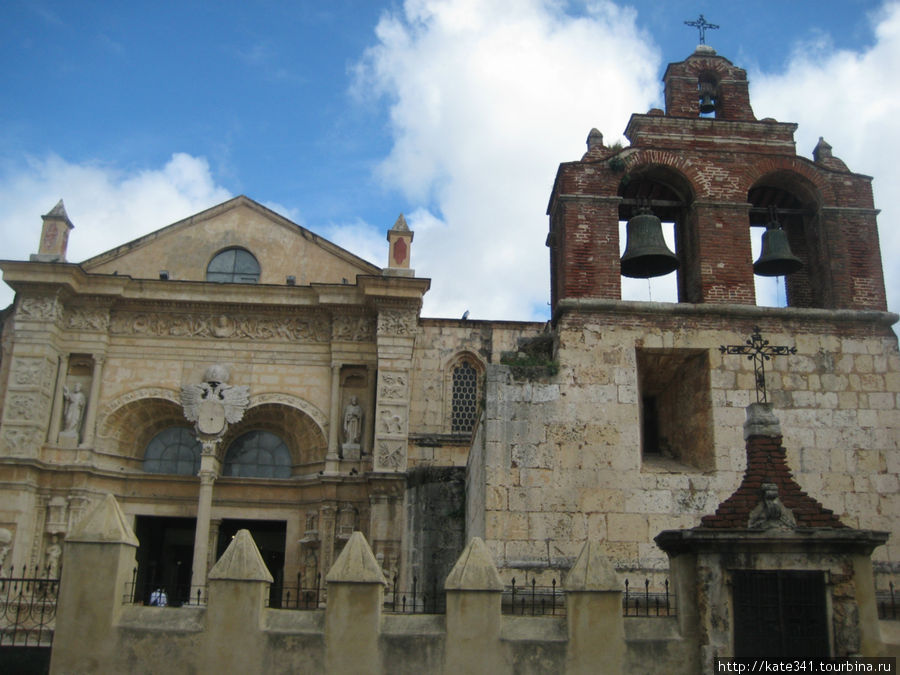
{"x":562,"y":455}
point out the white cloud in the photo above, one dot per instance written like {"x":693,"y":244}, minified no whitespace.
{"x":487,"y":98}
{"x":108,"y":205}
{"x":851,"y":99}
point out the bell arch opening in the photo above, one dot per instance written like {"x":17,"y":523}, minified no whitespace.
{"x":666,"y":195}
{"x":786,"y":243}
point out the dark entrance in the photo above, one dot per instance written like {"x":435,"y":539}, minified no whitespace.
{"x":780,"y":614}
{"x":164,"y":558}
{"x":269,"y":537}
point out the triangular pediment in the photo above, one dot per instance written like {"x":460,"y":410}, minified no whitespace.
{"x":182,"y":251}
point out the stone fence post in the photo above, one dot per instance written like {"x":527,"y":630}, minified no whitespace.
{"x":594,"y":609}
{"x":98,"y":560}
{"x":474,"y":590}
{"x":353,"y":611}
{"x":238,"y":586}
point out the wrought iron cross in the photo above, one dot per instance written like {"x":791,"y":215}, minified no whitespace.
{"x":702,"y":25}
{"x":760,"y":351}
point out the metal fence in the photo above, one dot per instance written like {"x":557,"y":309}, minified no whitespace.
{"x":637,"y":602}
{"x":162,"y":595}
{"x":887,"y":605}
{"x":533,"y":600}
{"x":27,"y":608}
{"x":300,"y":596}
{"x":416,"y":599}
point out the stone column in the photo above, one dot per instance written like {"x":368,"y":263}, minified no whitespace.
{"x":209,"y":471}
{"x":90,"y":418}
{"x":56,"y":410}
{"x":353,"y":613}
{"x":594,"y":608}
{"x":473,"y":614}
{"x":214,"y":525}
{"x":100,"y":557}
{"x":334,"y":423}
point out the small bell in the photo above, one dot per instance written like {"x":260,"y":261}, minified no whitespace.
{"x":707,"y":97}
{"x":776,"y":258}
{"x":646,"y":253}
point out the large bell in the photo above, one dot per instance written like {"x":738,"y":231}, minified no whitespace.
{"x":646,"y":254}
{"x":707,"y":104}
{"x":775,"y":258}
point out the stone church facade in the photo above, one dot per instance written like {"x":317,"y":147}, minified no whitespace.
{"x":614,"y":422}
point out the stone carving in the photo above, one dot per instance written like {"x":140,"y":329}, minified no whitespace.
{"x":391,"y":423}
{"x":23,"y":406}
{"x":86,"y":318}
{"x":213,"y":404}
{"x":396,"y":322}
{"x":45,"y":308}
{"x":27,"y":371}
{"x":51,"y":558}
{"x":73,"y":411}
{"x":352,"y":421}
{"x":20,"y":440}
{"x":770,"y":513}
{"x":390,"y":456}
{"x":5,"y":545}
{"x":393,"y":386}
{"x":238,"y":327}
{"x":353,"y":328}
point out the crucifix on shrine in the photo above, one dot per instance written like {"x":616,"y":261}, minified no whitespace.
{"x":759,"y":351}
{"x":702,"y":25}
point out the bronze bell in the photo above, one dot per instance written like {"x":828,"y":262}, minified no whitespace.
{"x":707,"y":97}
{"x":646,"y":253}
{"x":776,"y":258}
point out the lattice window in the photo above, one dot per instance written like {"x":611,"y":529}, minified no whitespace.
{"x":258,"y":454}
{"x":173,"y":450}
{"x":465,"y":397}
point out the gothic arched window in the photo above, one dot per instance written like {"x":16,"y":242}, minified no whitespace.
{"x":464,"y":404}
{"x":233,"y":266}
{"x":258,"y":454}
{"x":173,"y":450}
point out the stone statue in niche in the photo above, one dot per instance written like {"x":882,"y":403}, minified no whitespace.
{"x":73,"y":411}
{"x":352,"y":423}
{"x":770,"y":513}
{"x":5,"y":544}
{"x":51,"y":558}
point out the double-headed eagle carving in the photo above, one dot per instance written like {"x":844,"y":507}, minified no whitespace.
{"x":213,"y":404}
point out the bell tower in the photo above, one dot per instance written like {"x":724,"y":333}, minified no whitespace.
{"x":722,"y":178}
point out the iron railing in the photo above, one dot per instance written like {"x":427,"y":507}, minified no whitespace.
{"x":533,"y":600}
{"x":647,"y":603}
{"x":27,"y":608}
{"x":309,"y":596}
{"x":887,"y":604}
{"x":162,"y":595}
{"x":416,"y":600}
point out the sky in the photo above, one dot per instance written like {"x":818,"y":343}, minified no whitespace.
{"x":341,"y":115}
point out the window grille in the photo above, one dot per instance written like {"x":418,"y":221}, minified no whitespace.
{"x":465,"y":398}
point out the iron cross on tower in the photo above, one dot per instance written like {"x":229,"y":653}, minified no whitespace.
{"x":760,"y":351}
{"x":702,"y":25}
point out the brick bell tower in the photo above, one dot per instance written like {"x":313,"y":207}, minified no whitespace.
{"x":720,"y":177}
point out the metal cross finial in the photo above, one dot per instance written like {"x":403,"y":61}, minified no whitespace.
{"x":702,"y":25}
{"x":760,"y":351}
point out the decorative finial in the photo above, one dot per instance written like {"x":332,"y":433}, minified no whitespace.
{"x":759,"y":351}
{"x":702,"y":25}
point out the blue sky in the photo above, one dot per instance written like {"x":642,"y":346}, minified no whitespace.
{"x":342,"y":114}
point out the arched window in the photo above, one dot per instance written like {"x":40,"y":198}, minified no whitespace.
{"x":233,"y":266}
{"x":464,"y":406}
{"x":173,"y":450}
{"x":258,"y":454}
